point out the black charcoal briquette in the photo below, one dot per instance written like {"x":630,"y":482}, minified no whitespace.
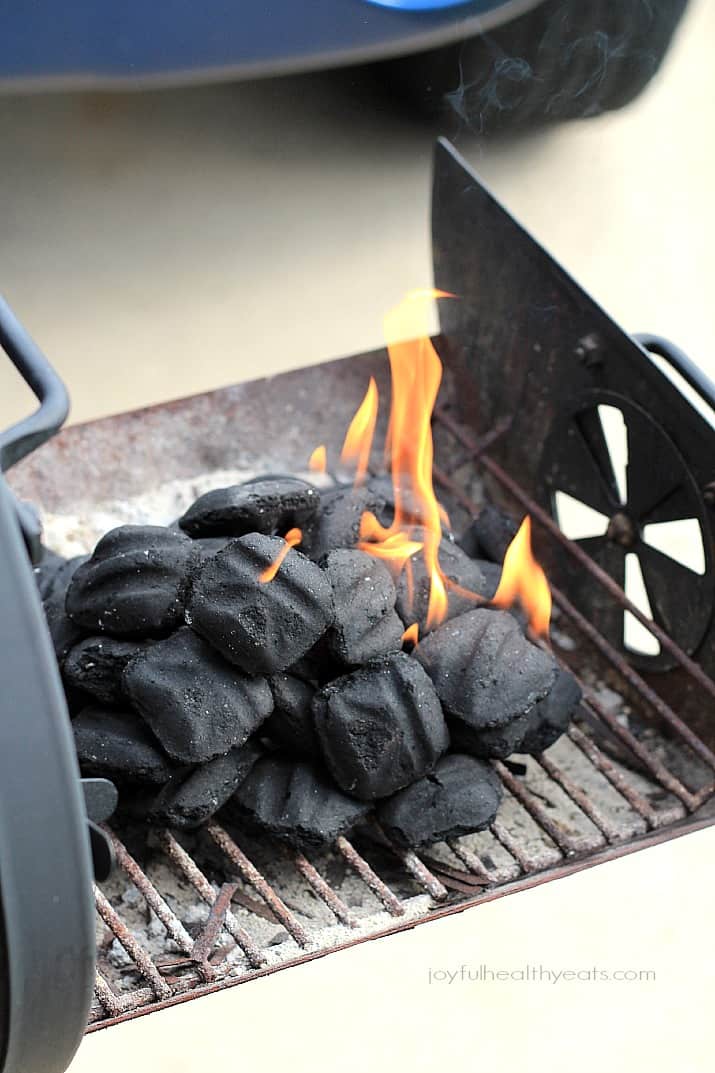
{"x":295,"y":802}
{"x":134,"y":583}
{"x":291,"y":723}
{"x":530,"y":733}
{"x":271,"y":505}
{"x":485,"y":671}
{"x":96,"y":664}
{"x":261,"y":627}
{"x":118,"y":743}
{"x":193,"y":800}
{"x":380,"y":727}
{"x":197,"y":705}
{"x":46,"y":571}
{"x":338,"y":523}
{"x":366,"y":624}
{"x":460,"y":796}
{"x":413,"y":587}
{"x":489,"y":535}
{"x":63,"y":631}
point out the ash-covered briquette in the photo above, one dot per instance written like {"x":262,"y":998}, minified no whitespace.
{"x":112,"y":742}
{"x":261,"y":627}
{"x":492,"y":576}
{"x":46,"y":571}
{"x":485,"y":671}
{"x":196,"y":704}
{"x":530,"y":733}
{"x":189,"y":801}
{"x":380,"y":727}
{"x":96,"y":665}
{"x":295,"y":802}
{"x":63,"y":631}
{"x":134,"y":583}
{"x":291,"y":723}
{"x":275,"y":504}
{"x":318,"y":665}
{"x":208,"y":546}
{"x":460,"y":796}
{"x":338,"y":524}
{"x":415,"y":580}
{"x":366,"y":624}
{"x":489,"y":535}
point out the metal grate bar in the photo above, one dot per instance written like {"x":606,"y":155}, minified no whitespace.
{"x":689,"y":665}
{"x":253,"y":877}
{"x":471,"y":860}
{"x":526,"y":861}
{"x":658,"y":770}
{"x":579,"y":797}
{"x":539,"y":814}
{"x":325,"y":892}
{"x":370,"y":878}
{"x":186,"y":864}
{"x":615,"y":776}
{"x":136,"y":952}
{"x":175,"y":929}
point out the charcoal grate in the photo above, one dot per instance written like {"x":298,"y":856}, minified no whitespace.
{"x":607,"y":788}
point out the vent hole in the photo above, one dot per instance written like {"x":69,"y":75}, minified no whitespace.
{"x":616,"y":436}
{"x":576,"y":520}
{"x":636,"y":638}
{"x":681,"y":540}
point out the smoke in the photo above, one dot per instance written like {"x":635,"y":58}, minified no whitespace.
{"x":564,"y":59}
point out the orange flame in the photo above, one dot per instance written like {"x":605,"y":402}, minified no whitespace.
{"x":523,"y":579}
{"x":416,"y":527}
{"x":358,"y":439}
{"x":411,"y":634}
{"x":292,"y":538}
{"x":318,"y":461}
{"x":416,"y":375}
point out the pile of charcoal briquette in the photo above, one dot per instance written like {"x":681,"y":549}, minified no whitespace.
{"x":293,"y":705}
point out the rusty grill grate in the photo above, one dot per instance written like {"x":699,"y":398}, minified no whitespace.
{"x":654,"y":793}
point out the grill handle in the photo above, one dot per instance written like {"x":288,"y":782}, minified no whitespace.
{"x":36,"y":371}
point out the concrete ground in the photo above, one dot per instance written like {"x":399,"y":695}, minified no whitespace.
{"x":164,"y":243}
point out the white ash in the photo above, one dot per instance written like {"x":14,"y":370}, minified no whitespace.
{"x":77,"y":532}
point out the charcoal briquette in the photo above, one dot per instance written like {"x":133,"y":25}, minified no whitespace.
{"x":46,"y":571}
{"x":193,"y":800}
{"x":414,"y":584}
{"x":134,"y":583}
{"x":366,"y":624}
{"x":530,"y":733}
{"x":110,"y":742}
{"x":460,"y":796}
{"x":63,"y":631}
{"x":270,"y":505}
{"x":196,"y":704}
{"x":261,"y":627}
{"x":485,"y":671}
{"x":338,"y":523}
{"x":96,"y":665}
{"x":295,"y":802}
{"x":489,"y":535}
{"x":380,"y":727}
{"x":291,"y":725}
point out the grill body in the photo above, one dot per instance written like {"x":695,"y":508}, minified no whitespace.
{"x":520,"y":349}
